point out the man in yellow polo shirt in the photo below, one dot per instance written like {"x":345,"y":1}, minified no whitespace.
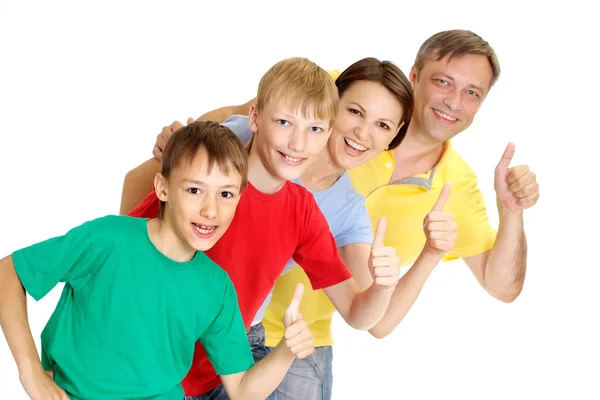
{"x":452,"y":74}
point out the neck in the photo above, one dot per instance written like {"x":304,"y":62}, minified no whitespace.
{"x":260,"y":178}
{"x":323,"y":173}
{"x":163,"y":237}
{"x":418,"y":146}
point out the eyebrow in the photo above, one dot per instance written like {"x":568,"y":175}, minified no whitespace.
{"x":200,"y":183}
{"x":448,"y":77}
{"x":293,"y":118}
{"x":389,"y":121}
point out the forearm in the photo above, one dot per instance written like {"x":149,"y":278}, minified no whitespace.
{"x":368,"y":307}
{"x":138,"y":183}
{"x":218,"y":115}
{"x":13,"y":319}
{"x":264,"y":376}
{"x":405,"y":294}
{"x":221,"y":114}
{"x":506,"y":264}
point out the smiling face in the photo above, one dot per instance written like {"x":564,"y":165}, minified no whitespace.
{"x":200,"y":200}
{"x":368,"y":119}
{"x":448,"y":94}
{"x":286,"y":140}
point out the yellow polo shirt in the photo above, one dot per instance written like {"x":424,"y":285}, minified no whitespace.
{"x":405,"y":204}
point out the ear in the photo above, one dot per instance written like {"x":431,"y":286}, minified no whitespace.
{"x":413,"y":77}
{"x":160,"y":186}
{"x":253,"y":118}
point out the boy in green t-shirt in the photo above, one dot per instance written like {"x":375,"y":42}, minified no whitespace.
{"x":139,"y":293}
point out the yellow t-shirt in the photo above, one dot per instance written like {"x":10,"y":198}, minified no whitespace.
{"x":405,"y":204}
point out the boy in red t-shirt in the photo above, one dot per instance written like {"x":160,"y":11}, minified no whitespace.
{"x":277,"y":220}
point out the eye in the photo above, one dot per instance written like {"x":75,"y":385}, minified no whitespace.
{"x":316,"y":129}
{"x":472,"y":93}
{"x":383,"y":125}
{"x":226,"y":195}
{"x":354,"y":111}
{"x":283,"y":122}
{"x":442,"y":82}
{"x":194,"y":190}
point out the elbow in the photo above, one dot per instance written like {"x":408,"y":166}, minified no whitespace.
{"x":508,"y":296}
{"x":379,"y":333}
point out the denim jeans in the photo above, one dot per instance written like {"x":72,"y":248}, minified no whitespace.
{"x":308,"y":379}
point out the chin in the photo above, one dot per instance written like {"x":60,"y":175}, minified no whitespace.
{"x":289,"y":174}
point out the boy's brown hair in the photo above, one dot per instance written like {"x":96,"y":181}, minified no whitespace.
{"x":389,"y":76}
{"x":222,"y":146}
{"x":303,"y":86}
{"x":455,"y":43}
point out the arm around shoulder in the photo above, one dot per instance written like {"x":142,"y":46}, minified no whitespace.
{"x":221,"y":114}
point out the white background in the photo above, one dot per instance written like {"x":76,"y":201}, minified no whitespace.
{"x":85,"y":88}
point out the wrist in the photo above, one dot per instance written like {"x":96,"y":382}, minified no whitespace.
{"x":506,"y":213}
{"x":379,"y":289}
{"x":29,"y":368}
{"x":283,"y":350}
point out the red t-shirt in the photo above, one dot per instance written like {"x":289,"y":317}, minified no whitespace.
{"x":267,"y":230}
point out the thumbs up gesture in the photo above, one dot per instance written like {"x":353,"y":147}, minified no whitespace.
{"x":516,"y":187}
{"x":383,"y":261}
{"x":298,"y":337}
{"x":439,"y":226}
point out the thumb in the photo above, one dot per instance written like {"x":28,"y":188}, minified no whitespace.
{"x":190,"y":120}
{"x":444,"y":195}
{"x":506,"y":159}
{"x":294,"y":307}
{"x":380,"y":232}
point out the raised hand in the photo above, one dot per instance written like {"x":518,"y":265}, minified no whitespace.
{"x":439,"y":226}
{"x":298,"y":337}
{"x":516,"y":187}
{"x":384,"y":264}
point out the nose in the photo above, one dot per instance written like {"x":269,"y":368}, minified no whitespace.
{"x":452,"y":99}
{"x":361,"y":131}
{"x":297,"y":141}
{"x":209,"y":208}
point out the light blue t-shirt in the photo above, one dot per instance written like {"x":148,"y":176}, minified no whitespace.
{"x":343,"y":208}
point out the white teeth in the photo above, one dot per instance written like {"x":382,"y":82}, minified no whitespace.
{"x":292,"y":159}
{"x":445,"y":116}
{"x":355,"y":145}
{"x":204,"y":229}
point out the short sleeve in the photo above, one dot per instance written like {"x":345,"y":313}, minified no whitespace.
{"x":239,"y":125}
{"x":42,"y":266}
{"x":317,"y":252}
{"x":225,"y":340}
{"x":475,"y":233}
{"x":356,"y":226}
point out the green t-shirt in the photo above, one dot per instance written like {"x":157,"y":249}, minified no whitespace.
{"x":128,"y":318}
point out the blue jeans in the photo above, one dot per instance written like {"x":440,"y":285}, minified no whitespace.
{"x":308,"y":379}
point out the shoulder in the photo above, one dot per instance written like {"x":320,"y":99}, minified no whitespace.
{"x":298,"y":195}
{"x":113,"y":227}
{"x":458,"y":171}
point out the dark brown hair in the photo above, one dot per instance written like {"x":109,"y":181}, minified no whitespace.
{"x":457,"y":43}
{"x":391,"y":77}
{"x":222,"y":146}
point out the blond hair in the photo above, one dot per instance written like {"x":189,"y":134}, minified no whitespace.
{"x":303,"y":86}
{"x":457,"y":43}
